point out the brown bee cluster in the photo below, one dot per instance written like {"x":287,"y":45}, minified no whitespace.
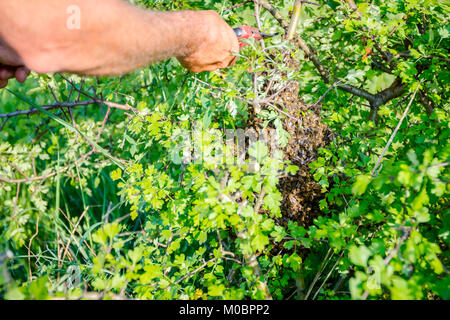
{"x":301,"y":193}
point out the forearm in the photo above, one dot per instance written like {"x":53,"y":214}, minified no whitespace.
{"x":114,"y":37}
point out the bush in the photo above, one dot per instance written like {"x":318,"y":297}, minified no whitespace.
{"x":342,"y":191}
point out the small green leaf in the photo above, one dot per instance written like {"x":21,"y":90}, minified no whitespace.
{"x":360,"y":186}
{"x":359,"y":255}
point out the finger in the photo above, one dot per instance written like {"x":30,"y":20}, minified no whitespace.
{"x":206,"y":68}
{"x":233,"y":62}
{"x":3,"y":83}
{"x":21,"y":74}
{"x":236,"y":44}
{"x":228,"y":62}
{"x":6,"y":73}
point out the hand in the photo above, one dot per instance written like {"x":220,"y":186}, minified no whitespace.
{"x":212,"y":45}
{"x":8,"y":72}
{"x":11,"y":66}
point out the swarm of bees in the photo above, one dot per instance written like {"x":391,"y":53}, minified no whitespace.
{"x":301,"y":193}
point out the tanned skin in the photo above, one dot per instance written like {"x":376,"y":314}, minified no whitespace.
{"x":114,"y":38}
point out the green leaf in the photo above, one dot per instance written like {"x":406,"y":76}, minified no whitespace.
{"x":360,"y":186}
{"x":116,"y":174}
{"x":359,"y":255}
{"x":259,"y":151}
{"x":259,"y":242}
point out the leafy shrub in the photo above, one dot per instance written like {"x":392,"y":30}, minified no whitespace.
{"x":147,"y":203}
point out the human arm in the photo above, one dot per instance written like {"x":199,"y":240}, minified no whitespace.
{"x":113,"y":37}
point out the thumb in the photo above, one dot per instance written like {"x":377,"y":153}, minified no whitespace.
{"x":22,"y":73}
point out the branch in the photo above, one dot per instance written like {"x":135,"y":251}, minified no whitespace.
{"x":44,"y":177}
{"x":302,"y":43}
{"x":406,"y":54}
{"x":353,"y":6}
{"x":314,"y":59}
{"x":275,"y":13}
{"x":310,"y":2}
{"x":68,"y":105}
{"x":375,"y":100}
{"x":380,"y":66}
{"x":47,"y":107}
{"x":357,"y":92}
{"x":294,"y":20}
{"x":394,"y":91}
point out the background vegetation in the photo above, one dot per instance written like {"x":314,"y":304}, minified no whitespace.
{"x":98,"y":204}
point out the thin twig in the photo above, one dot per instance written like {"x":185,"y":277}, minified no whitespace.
{"x":238,"y":5}
{"x":394,"y":133}
{"x":73,"y":232}
{"x":30,"y":275}
{"x":328,"y":275}
{"x":4,"y":123}
{"x":403,"y":238}
{"x":285,"y":113}
{"x":258,"y":21}
{"x":104,"y":123}
{"x":325,"y":94}
{"x":79,"y":233}
{"x":256,"y":104}
{"x":16,"y":200}
{"x":190,"y":274}
{"x":322,"y":267}
{"x":53,"y":93}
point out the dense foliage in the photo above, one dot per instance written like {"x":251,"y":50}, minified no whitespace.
{"x":132,"y":195}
